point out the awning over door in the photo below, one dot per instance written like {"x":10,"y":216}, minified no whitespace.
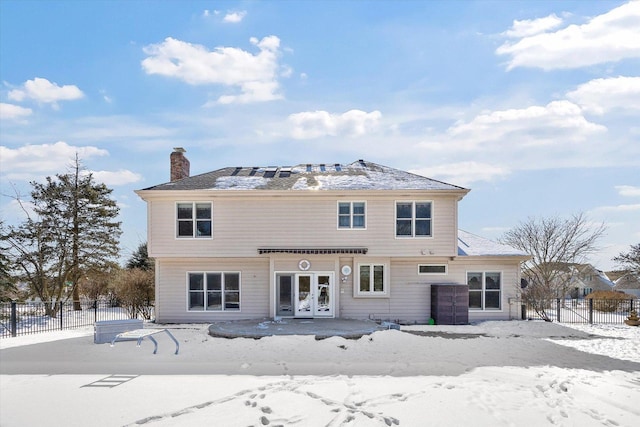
{"x":313,"y":251}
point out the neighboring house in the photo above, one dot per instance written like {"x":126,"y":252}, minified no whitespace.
{"x":585,"y":279}
{"x":629,"y":284}
{"x":571,"y":280}
{"x":359,"y":240}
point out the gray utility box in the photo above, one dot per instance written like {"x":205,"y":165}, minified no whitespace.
{"x":450,"y":304}
{"x":106,"y":330}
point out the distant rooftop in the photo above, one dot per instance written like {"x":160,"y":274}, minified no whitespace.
{"x":359,"y":175}
{"x":471,"y":245}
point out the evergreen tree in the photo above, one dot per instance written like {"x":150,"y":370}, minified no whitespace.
{"x":140,"y":259}
{"x":72,"y":230}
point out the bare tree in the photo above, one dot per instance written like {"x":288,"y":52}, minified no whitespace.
{"x":135,"y":290}
{"x":555,"y":245}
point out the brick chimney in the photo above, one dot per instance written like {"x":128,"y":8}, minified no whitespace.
{"x":179,"y":164}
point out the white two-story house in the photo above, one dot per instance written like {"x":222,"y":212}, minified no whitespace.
{"x":356,"y":240}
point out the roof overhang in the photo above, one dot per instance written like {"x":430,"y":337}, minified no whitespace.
{"x":313,"y":251}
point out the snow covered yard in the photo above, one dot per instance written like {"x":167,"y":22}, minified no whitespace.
{"x":497,"y":373}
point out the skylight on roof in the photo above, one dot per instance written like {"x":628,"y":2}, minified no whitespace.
{"x":270,"y":172}
{"x":285,"y":172}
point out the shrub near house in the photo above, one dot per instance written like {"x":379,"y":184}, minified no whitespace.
{"x":608,"y":301}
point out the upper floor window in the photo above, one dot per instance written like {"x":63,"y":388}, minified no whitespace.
{"x":194,"y":219}
{"x":351,"y":215}
{"x":214,"y":291}
{"x":413,"y":219}
{"x":484,"y":290}
{"x":372,"y":279}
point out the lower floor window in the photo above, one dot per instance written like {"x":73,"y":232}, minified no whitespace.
{"x":484,"y":290}
{"x":371,"y":279}
{"x":214,"y":291}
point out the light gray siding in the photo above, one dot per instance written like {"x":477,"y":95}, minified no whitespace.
{"x":410,"y":293}
{"x":241,"y":225}
{"x":171,"y":288}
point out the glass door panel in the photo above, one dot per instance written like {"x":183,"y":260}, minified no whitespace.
{"x":284,"y":294}
{"x":324,"y":297}
{"x":304,"y":297}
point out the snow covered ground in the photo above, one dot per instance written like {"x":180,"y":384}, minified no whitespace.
{"x":498,"y":374}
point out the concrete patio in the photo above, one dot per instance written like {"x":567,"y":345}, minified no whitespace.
{"x":320,"y":328}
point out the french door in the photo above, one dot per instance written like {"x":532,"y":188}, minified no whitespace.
{"x":304,"y":294}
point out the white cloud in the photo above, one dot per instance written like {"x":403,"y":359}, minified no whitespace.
{"x":32,"y":161}
{"x":315,"y":124}
{"x":609,"y":37}
{"x":44,"y":91}
{"x":106,"y":97}
{"x":234,"y":17}
{"x":254,"y":75}
{"x":530,"y":27}
{"x":602,"y":95}
{"x":13,"y":112}
{"x":628,"y":190}
{"x":618,"y":208}
{"x":535,"y":125}
{"x":463,"y":173}
{"x":115,"y":178}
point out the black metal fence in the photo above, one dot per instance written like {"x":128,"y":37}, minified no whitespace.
{"x":581,"y":310}
{"x":17,"y":318}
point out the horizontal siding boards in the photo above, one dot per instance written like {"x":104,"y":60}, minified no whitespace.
{"x":317,"y":264}
{"x":510,"y":270}
{"x":241,"y":226}
{"x":410,"y":293}
{"x":409,"y":300}
{"x":172,"y":289}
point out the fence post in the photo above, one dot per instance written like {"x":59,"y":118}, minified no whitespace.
{"x":61,"y":310}
{"x":523,"y":311}
{"x":558,"y":309}
{"x":591,"y":311}
{"x":14,"y":320}
{"x":95,"y":311}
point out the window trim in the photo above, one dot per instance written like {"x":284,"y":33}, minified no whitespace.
{"x":483,"y":291}
{"x":413,"y":219}
{"x":351,"y":215}
{"x":445,"y":265}
{"x":371,"y":293}
{"x":222,"y":290}
{"x":193,"y":220}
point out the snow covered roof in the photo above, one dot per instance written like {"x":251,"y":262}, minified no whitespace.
{"x":359,"y":175}
{"x":472,"y":245}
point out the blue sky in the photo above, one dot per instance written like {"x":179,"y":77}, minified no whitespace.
{"x":534,"y":105}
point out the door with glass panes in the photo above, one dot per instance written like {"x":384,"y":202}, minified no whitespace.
{"x":304,"y":294}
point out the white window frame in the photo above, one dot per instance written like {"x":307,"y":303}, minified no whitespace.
{"x":194,"y":220}
{"x":444,"y":273}
{"x":372,"y":293}
{"x":413,"y":219}
{"x":223,"y":291}
{"x":483,"y":291}
{"x":351,"y":215}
